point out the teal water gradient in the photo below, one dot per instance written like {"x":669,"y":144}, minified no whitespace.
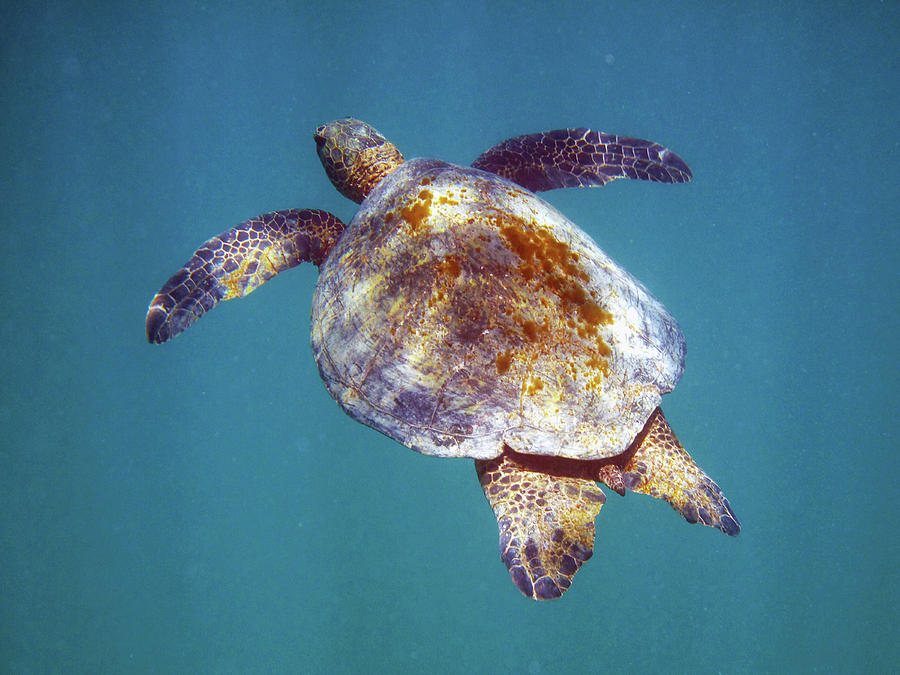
{"x":204,"y":506}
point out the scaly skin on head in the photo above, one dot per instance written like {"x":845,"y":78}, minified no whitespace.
{"x":355,"y":156}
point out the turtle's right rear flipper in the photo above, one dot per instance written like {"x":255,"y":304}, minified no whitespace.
{"x":232,"y":264}
{"x":662,"y":468}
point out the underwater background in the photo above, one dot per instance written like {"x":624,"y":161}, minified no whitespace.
{"x":205,"y":506}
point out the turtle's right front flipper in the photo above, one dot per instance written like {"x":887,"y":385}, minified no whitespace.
{"x":232,"y":264}
{"x":580,"y":158}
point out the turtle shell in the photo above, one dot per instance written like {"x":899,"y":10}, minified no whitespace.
{"x":459,"y":312}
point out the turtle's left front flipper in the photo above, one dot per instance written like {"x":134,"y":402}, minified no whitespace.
{"x":662,"y":468}
{"x":232,"y":264}
{"x":580,"y":158}
{"x":546,"y":519}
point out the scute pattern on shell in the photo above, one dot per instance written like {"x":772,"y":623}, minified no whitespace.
{"x":460,"y":311}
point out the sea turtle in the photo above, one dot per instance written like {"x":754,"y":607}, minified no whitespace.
{"x":463,"y":316}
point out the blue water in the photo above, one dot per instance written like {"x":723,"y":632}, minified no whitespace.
{"x":204,"y":506}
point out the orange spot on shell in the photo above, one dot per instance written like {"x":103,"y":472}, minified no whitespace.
{"x":594,"y":314}
{"x":532,"y":329}
{"x":535,"y":386}
{"x":418,"y":211}
{"x":552,"y":266}
{"x":504,"y":359}
{"x":450,"y":265}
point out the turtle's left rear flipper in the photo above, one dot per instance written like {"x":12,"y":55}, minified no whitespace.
{"x":546,"y":518}
{"x":660,"y":467}
{"x":232,"y":264}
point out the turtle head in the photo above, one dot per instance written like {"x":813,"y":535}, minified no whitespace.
{"x":355,"y":156}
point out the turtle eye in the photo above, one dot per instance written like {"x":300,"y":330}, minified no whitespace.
{"x":320,"y":136}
